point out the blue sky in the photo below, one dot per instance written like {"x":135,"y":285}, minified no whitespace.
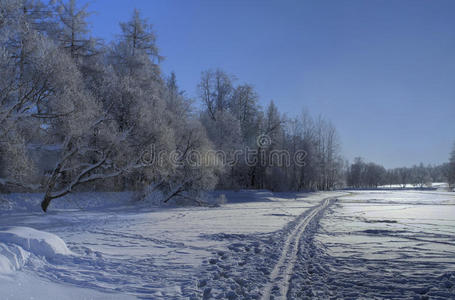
{"x":382,"y":71}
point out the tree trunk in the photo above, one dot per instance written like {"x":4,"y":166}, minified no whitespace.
{"x":45,"y":203}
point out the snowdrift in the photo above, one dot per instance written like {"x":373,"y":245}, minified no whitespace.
{"x":18,"y":243}
{"x":40,"y":243}
{"x":12,"y":258}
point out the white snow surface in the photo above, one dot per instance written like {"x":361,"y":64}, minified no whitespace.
{"x":382,"y":245}
{"x":37,"y":242}
{"x":348,"y":244}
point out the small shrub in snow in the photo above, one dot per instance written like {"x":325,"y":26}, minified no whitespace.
{"x":221,"y":199}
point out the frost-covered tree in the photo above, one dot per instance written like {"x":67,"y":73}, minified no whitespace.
{"x":420,"y":175}
{"x":303,"y":138}
{"x":23,"y":86}
{"x":215,"y":90}
{"x":225,"y":133}
{"x":197,"y":165}
{"x":73,"y":29}
{"x":43,"y":101}
{"x":244,"y":106}
{"x":176,"y":101}
{"x":86,"y":138}
{"x":356,"y":173}
{"x":266,"y":173}
{"x":327,"y":154}
{"x":156,"y":116}
{"x":136,"y":53}
{"x":451,"y":168}
{"x":133,"y":92}
{"x":222,"y":121}
{"x":138,"y":34}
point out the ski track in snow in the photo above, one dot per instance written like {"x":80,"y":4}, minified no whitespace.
{"x":281,"y":273}
{"x":258,"y":266}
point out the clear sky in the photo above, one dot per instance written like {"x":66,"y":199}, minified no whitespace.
{"x":382,"y":71}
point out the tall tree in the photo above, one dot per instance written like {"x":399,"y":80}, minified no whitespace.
{"x":23,"y":86}
{"x":451,"y":171}
{"x":73,"y":31}
{"x":138,"y":34}
{"x":215,"y":90}
{"x":244,"y":106}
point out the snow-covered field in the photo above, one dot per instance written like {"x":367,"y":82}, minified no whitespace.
{"x":359,"y":244}
{"x":383,"y":245}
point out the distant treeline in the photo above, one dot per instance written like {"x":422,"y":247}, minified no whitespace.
{"x":370,"y":175}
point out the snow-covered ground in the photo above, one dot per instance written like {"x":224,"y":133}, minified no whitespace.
{"x":370,"y":244}
{"x":383,"y":245}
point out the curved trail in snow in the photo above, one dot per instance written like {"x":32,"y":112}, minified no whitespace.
{"x":281,"y":274}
